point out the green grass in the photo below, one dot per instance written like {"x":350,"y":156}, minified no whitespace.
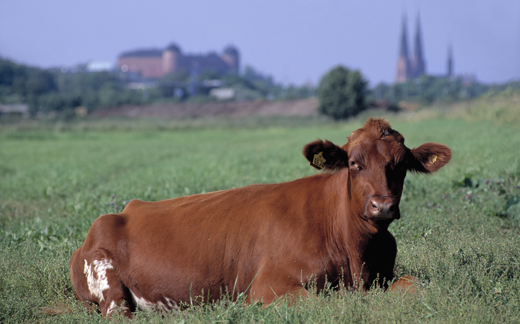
{"x":459,"y":231}
{"x":499,"y":108}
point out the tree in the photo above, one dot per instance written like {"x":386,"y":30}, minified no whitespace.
{"x":341,"y":93}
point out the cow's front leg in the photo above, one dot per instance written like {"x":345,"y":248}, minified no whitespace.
{"x":405,"y":284}
{"x":267,"y":290}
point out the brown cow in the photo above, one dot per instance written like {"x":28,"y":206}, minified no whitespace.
{"x":261,"y":241}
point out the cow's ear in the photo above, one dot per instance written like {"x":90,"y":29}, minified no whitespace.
{"x":430,"y":157}
{"x":325,"y":155}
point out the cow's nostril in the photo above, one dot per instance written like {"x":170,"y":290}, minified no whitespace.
{"x":375,"y":206}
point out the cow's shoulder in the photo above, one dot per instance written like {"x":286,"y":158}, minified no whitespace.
{"x":108,"y":227}
{"x":135,"y":204}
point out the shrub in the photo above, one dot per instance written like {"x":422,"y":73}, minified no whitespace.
{"x":342,"y":93}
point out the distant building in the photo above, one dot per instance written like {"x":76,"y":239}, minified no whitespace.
{"x":156,"y":63}
{"x":449,"y":63}
{"x":465,"y":78}
{"x":414,"y":67}
{"x":222,"y":93}
{"x":403,"y":62}
{"x":99,"y":66}
{"x":14,"y":109}
{"x":417,"y":64}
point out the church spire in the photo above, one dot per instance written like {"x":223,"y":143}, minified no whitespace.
{"x":418,"y":66}
{"x":449,"y":62}
{"x":403,"y":49}
{"x":403,"y":62}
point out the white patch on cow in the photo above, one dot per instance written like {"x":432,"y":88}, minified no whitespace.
{"x":142,"y":303}
{"x":164,"y":308}
{"x":169,"y":306}
{"x":111,"y":307}
{"x":97,"y":280}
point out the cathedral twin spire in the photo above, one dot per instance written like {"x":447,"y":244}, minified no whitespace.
{"x":414,"y":67}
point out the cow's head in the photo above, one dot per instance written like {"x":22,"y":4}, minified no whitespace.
{"x":377,"y":161}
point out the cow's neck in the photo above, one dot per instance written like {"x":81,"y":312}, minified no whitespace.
{"x":354,"y":235}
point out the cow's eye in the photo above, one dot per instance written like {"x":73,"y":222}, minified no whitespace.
{"x":355,"y":165}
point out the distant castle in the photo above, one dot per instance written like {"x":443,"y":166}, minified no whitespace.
{"x":155,"y":63}
{"x":411,"y":68}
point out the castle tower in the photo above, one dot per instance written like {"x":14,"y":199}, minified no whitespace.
{"x":417,"y":65}
{"x":171,"y":59}
{"x":449,"y":63}
{"x":403,"y":62}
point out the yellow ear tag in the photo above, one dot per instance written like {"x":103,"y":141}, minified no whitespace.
{"x":319,"y":160}
{"x":433,"y":159}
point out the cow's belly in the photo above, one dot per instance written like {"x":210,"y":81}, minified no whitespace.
{"x":161,"y":280}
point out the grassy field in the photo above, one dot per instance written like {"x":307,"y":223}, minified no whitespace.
{"x":459,"y":231}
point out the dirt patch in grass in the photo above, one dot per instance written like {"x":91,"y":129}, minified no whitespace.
{"x":301,"y":107}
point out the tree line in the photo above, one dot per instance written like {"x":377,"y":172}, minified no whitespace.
{"x":342,"y":92}
{"x":61,"y":91}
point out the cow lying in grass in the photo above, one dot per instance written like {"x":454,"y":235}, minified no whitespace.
{"x":259,"y":241}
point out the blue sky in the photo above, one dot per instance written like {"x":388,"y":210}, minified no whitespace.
{"x":295,"y":41}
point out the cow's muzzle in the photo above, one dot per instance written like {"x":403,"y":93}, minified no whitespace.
{"x":382,"y":207}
